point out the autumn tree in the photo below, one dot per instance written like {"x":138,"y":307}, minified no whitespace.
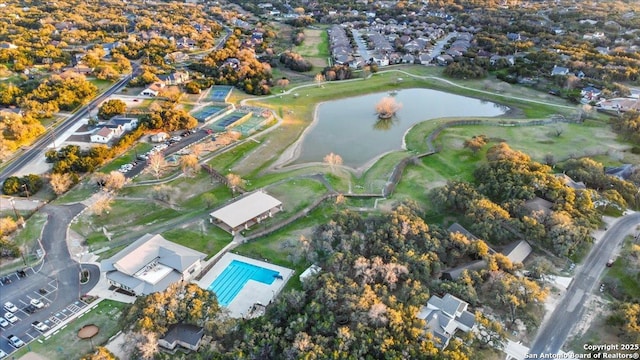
{"x":234,"y":181}
{"x":476,"y":143}
{"x":283,"y":82}
{"x":102,"y":204}
{"x":111,"y":108}
{"x":156,"y":164}
{"x":189,"y":165}
{"x":319,"y":79}
{"x":387,"y":107}
{"x":162,"y":192}
{"x":333,"y":160}
{"x":114,"y":181}
{"x":101,"y":353}
{"x":60,"y":183}
{"x":7,"y":225}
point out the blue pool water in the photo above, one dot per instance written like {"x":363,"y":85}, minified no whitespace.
{"x":229,"y":283}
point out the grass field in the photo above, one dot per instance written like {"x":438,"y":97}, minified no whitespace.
{"x":66,"y":345}
{"x":207,"y":238}
{"x":315,"y":47}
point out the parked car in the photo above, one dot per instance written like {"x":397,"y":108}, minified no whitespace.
{"x":10,"y":307}
{"x":3,"y":354}
{"x":3,"y":322}
{"x":30,"y":309}
{"x":40,"y":326}
{"x":11,"y":318}
{"x":37,"y":303}
{"x":15,"y":341}
{"x":610,"y":262}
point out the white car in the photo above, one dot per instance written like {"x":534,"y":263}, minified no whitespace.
{"x":10,"y":317}
{"x":42,"y":327}
{"x":37,"y":303}
{"x":3,"y":322}
{"x":3,"y":354}
{"x":15,"y":341}
{"x":10,"y":307}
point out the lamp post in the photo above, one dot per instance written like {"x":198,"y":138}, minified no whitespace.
{"x":19,"y":218}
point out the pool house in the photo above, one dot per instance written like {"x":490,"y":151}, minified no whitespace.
{"x":245,"y":212}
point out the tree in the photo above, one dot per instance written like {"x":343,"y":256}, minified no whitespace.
{"x":147,"y":345}
{"x":196,"y":149}
{"x":283,"y":82}
{"x":7,"y":226}
{"x":114,"y":181}
{"x":209,"y":199}
{"x":162,"y":193}
{"x":156,"y":164}
{"x":102,"y":204}
{"x":60,"y":183}
{"x":476,"y":143}
{"x":189,"y":164}
{"x":340,"y":199}
{"x":101,"y":353}
{"x":234,"y":181}
{"x":333,"y":160}
{"x":319,"y":79}
{"x":192,"y":87}
{"x":387,"y":107}
{"x":111,"y":108}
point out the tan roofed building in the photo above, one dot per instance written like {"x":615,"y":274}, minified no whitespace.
{"x":245,"y":212}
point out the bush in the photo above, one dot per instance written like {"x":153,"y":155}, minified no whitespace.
{"x":295,"y":62}
{"x":23,"y":186}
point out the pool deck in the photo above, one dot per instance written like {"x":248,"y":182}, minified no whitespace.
{"x":253,"y":292}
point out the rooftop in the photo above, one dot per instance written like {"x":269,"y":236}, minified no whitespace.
{"x":245,"y":209}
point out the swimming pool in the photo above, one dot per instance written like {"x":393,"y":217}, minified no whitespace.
{"x":233,"y":278}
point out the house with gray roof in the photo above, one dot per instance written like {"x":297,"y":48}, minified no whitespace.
{"x":444,"y":316}
{"x":517,"y":251}
{"x":151,"y":264}
{"x":184,"y":335}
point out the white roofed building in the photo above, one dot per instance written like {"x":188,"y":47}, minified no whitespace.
{"x":151,"y":264}
{"x":245,"y":212}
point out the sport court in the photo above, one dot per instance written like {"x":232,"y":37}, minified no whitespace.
{"x":241,"y":282}
{"x":220,"y":93}
{"x":209,"y":112}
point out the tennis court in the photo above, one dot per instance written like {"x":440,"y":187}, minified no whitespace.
{"x":252,"y":125}
{"x":207,"y":112}
{"x":230,"y":120}
{"x":220,"y":93}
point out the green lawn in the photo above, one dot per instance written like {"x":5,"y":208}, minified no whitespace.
{"x":626,"y":272}
{"x":66,"y":345}
{"x":208,"y":239}
{"x":27,"y":241}
{"x":102,"y":85}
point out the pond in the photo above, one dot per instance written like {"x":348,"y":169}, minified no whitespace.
{"x":350,"y":128}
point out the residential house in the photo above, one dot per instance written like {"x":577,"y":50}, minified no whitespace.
{"x":590,"y":93}
{"x":125,"y":123}
{"x":539,"y":204}
{"x":559,"y":70}
{"x":425,"y":59}
{"x":175,"y":78}
{"x":513,"y":37}
{"x":517,"y":251}
{"x":176,"y":57}
{"x":619,"y":104}
{"x":153,"y":90}
{"x":7,"y":45}
{"x":185,"y":43}
{"x":245,"y":212}
{"x":11,"y":111}
{"x":108,"y":47}
{"x":446,"y":315}
{"x":444,"y":60}
{"x":102,"y":136}
{"x":150,"y":264}
{"x":310,"y":271}
{"x":184,"y":335}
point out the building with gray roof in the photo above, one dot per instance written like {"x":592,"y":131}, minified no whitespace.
{"x":151,"y":264}
{"x":186,"y":335}
{"x":444,"y":316}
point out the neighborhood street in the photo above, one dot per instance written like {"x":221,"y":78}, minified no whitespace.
{"x":553,"y":334}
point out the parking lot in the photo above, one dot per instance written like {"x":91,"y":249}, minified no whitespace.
{"x":27,"y":313}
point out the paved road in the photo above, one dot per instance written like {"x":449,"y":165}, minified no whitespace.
{"x":58,"y":274}
{"x":39,"y":147}
{"x":553,"y":334}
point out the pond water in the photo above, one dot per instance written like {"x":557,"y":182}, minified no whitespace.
{"x":350,"y":128}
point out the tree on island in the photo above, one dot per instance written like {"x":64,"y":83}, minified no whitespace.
{"x":387,"y":107}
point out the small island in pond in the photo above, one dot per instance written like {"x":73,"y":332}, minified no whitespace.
{"x":387,"y":107}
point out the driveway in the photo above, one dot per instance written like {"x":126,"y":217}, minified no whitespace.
{"x":553,"y":334}
{"x":56,"y":282}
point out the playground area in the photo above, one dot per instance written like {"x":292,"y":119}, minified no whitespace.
{"x":209,"y":112}
{"x":220,"y":93}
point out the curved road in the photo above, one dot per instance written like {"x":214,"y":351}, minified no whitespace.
{"x":552,"y":335}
